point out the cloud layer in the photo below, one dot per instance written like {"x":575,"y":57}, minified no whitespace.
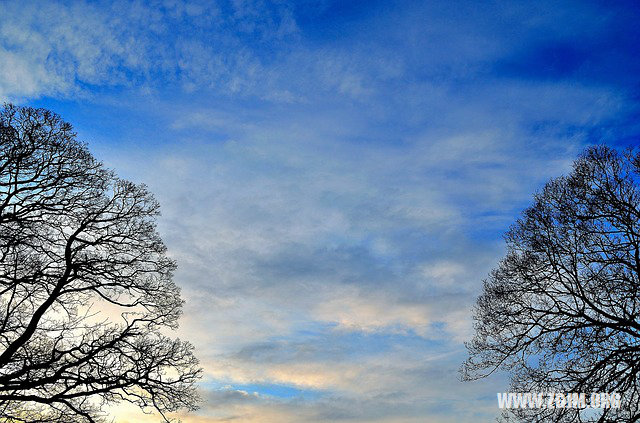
{"x":335,"y":177}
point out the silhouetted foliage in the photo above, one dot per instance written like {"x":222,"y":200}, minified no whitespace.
{"x":561,"y":312}
{"x":85,"y":284}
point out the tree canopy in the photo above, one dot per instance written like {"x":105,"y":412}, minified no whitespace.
{"x":86,"y":289}
{"x":561,"y":312}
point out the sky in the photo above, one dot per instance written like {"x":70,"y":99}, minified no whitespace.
{"x":335,"y":176}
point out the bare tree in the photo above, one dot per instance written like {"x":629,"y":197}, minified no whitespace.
{"x":561,"y":312}
{"x":85,"y":284}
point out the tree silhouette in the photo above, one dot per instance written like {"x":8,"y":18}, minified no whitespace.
{"x":561,"y":312}
{"x":85,"y":284}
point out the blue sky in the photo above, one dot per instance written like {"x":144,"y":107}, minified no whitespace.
{"x":335,"y":176}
